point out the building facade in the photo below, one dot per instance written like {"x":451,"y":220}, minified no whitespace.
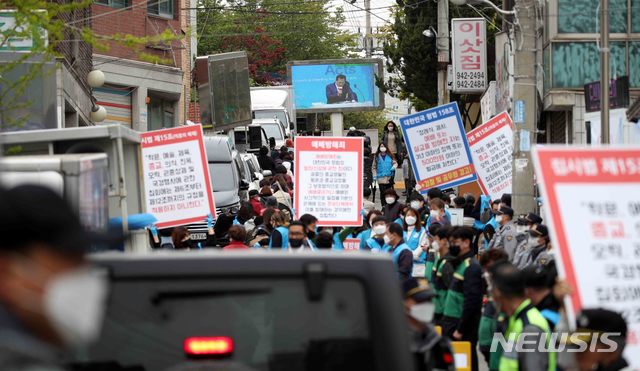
{"x":147,"y":87}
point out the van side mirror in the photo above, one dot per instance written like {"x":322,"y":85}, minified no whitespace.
{"x":244,"y":186}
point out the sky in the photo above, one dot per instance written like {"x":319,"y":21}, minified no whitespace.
{"x":356,"y":18}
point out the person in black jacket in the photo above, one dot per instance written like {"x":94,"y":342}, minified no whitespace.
{"x":265,"y":161}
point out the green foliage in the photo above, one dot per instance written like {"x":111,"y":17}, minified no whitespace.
{"x":272,"y":32}
{"x":365,"y":120}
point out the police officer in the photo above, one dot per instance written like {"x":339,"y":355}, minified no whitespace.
{"x":539,"y":282}
{"x":505,"y":237}
{"x":508,"y":292}
{"x":540,"y":254}
{"x":595,"y":322}
{"x":524,"y":242}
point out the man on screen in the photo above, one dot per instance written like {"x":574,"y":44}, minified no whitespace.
{"x":340,"y":91}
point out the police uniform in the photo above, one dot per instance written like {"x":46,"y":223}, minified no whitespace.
{"x":505,"y":237}
{"x":523,"y":238}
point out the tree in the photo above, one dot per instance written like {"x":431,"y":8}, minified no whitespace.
{"x":365,"y":120}
{"x":287,"y":30}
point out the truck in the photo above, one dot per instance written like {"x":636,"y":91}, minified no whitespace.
{"x":275,"y":101}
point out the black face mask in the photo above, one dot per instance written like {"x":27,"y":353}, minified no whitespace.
{"x":295,"y":242}
{"x":454,"y":250}
{"x":311,"y":235}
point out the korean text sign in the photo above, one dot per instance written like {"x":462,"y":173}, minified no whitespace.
{"x":491,"y":147}
{"x":177,"y":185}
{"x":593,"y":209}
{"x":437,"y":145}
{"x":329,"y":178}
{"x":469,"y":43}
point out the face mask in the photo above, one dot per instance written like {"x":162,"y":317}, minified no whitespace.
{"x":387,"y":240}
{"x":521,"y":228}
{"x":390,"y":200}
{"x":415,"y":205}
{"x":75,"y":305}
{"x":383,"y":150}
{"x":499,"y":219}
{"x":532,"y":242}
{"x":454,"y":250}
{"x":423,"y":312}
{"x":434,"y":214}
{"x":411,"y":220}
{"x":379,"y":229}
{"x":295,"y":242}
{"x":435,"y":246}
{"x":311,"y":235}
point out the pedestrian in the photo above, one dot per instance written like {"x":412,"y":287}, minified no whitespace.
{"x":260,"y":235}
{"x":245,"y":217}
{"x":311,"y":226}
{"x":324,"y":241}
{"x":401,"y":253}
{"x":283,"y":177}
{"x":605,"y":356}
{"x":237,"y":237}
{"x":443,"y":269}
{"x":376,"y":242}
{"x":416,"y":201}
{"x":254,"y":199}
{"x":541,"y":253}
{"x":51,"y":301}
{"x":495,"y":205}
{"x":181,"y":238}
{"x":438,"y":214}
{"x":508,"y":292}
{"x":280,"y":236}
{"x":505,"y":237}
{"x":539,"y":282}
{"x":459,"y":203}
{"x":367,"y":164}
{"x":416,"y":238}
{"x":392,"y":208}
{"x":298,"y":240}
{"x":489,"y":320}
{"x":365,"y":233}
{"x":393,"y":141}
{"x":367,"y":205}
{"x":384,"y":170}
{"x":525,"y":241}
{"x":463,"y":306}
{"x":264,"y":159}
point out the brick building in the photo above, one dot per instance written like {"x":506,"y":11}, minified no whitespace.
{"x":137,"y":93}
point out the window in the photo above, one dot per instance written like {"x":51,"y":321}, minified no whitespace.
{"x":160,"y":113}
{"x":163,"y":8}
{"x":114,"y":3}
{"x":273,"y":130}
{"x":577,"y":63}
{"x":581,"y":16}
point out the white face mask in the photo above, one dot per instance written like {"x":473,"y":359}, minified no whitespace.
{"x":75,"y":304}
{"x":499,"y":219}
{"x":379,"y":229}
{"x":383,"y":150}
{"x":435,"y":246}
{"x":415,"y":205}
{"x":390,"y":200}
{"x":387,"y":240}
{"x":411,"y":220}
{"x":532,"y":242}
{"x":423,"y":312}
{"x":434,"y":213}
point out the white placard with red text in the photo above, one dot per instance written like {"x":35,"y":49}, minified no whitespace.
{"x":469,"y":55}
{"x":491,"y":146}
{"x":592,"y":206}
{"x":177,"y":185}
{"x":351,"y":244}
{"x":328,"y":172}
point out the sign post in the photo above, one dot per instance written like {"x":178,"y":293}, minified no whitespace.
{"x":177,"y":185}
{"x":329,"y":177}
{"x":491,"y":147}
{"x":438,"y":148}
{"x":592,"y":201}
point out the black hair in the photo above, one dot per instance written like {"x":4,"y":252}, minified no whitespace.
{"x":443,"y":233}
{"x":460,"y":201}
{"x":308,"y":219}
{"x":379,"y":218}
{"x":366,"y":192}
{"x":540,"y":277}
{"x":435,"y":193}
{"x":434,"y":228}
{"x":341,"y":76}
{"x":416,"y":196}
{"x":272,"y":142}
{"x":492,"y":256}
{"x":264,"y":150}
{"x":298,"y":223}
{"x":506,"y":278}
{"x":391,"y":192}
{"x":463,"y":233}
{"x":324,"y":240}
{"x":396,"y":229}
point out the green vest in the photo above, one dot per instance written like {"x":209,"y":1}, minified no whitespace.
{"x":430,"y":266}
{"x":525,"y":315}
{"x":487,"y":325}
{"x":455,"y":296}
{"x":440,"y":288}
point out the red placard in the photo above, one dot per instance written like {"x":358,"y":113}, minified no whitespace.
{"x":177,"y":184}
{"x":329,"y":178}
{"x":351,"y":244}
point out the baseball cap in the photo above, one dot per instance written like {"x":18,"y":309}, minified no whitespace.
{"x":412,"y":289}
{"x":34,"y":214}
{"x":531,"y":218}
{"x":539,"y":230}
{"x":504,"y":210}
{"x":601,"y":320}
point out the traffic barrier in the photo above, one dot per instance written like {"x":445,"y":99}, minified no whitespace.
{"x":462,"y":355}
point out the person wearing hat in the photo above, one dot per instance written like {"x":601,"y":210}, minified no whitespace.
{"x":524,"y":242}
{"x":540,"y":254}
{"x":392,"y":208}
{"x":430,"y":350}
{"x":50,"y":300}
{"x":505,"y":237}
{"x":538,"y":287}
{"x":594,"y":322}
{"x":508,"y":293}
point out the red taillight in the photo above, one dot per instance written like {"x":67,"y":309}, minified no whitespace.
{"x":447,"y":358}
{"x":208,"y":346}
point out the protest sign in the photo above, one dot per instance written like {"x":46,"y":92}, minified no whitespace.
{"x":437,"y":146}
{"x":592,"y":206}
{"x":351,"y":244}
{"x":177,"y":185}
{"x":329,"y":177}
{"x":491,"y":147}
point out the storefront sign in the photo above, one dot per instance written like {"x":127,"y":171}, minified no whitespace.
{"x":469,"y":55}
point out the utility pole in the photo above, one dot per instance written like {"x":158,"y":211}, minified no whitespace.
{"x":524,"y":38}
{"x":368,"y":42}
{"x":442,"y":45}
{"x":604,"y":71}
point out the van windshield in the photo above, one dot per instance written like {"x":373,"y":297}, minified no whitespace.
{"x":272,"y":322}
{"x":222,"y":177}
{"x":268,"y":114}
{"x":273,"y":130}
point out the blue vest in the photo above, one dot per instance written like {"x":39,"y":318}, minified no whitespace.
{"x":413,"y":241}
{"x":374,"y":246}
{"x":399,"y":221}
{"x":384,"y":166}
{"x":398,"y":250}
{"x":312,"y":245}
{"x":285,"y":238}
{"x":364,"y":236}
{"x":337,"y":243}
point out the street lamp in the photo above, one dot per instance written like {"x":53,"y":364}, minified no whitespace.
{"x":486,"y":2}
{"x":430,"y":32}
{"x":98,"y":113}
